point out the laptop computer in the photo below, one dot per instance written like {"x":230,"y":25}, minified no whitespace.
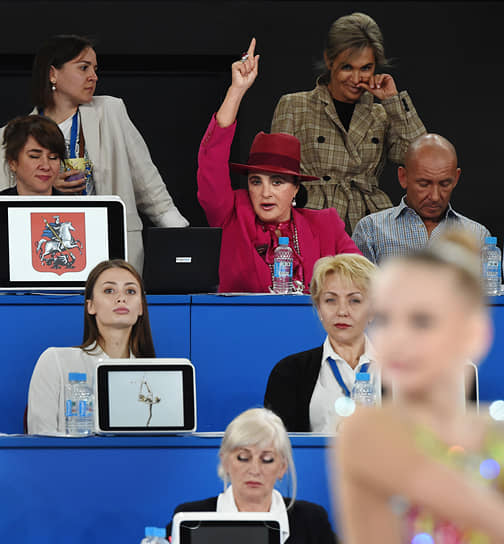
{"x":145,"y":396}
{"x":53,"y":242}
{"x":226,"y":528}
{"x":182,"y":260}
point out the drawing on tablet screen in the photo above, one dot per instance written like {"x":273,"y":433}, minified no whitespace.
{"x":145,"y":395}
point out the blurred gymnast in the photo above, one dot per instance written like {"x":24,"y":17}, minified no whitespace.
{"x":422,"y":471}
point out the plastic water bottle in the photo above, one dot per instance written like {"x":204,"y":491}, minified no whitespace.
{"x":79,"y":404}
{"x":154,"y":535}
{"x":363,"y":391}
{"x":282,"y":268}
{"x":491,"y":266}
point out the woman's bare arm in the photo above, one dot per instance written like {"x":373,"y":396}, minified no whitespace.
{"x":378,"y":456}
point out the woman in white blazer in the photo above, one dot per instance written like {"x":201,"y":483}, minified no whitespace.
{"x":97,"y":129}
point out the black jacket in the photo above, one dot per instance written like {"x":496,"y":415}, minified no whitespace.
{"x":290,"y":388}
{"x":308,"y":522}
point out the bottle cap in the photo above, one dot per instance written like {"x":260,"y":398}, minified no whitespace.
{"x":491,"y":240}
{"x":155,"y":531}
{"x":362,"y":376}
{"x":283,"y":240}
{"x":77,"y":376}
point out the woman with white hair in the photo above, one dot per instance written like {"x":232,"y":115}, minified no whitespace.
{"x":256,"y":452}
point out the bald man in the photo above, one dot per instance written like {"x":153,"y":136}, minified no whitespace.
{"x":429,"y":175}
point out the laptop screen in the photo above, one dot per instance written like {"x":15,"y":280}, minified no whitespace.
{"x":182,"y":260}
{"x":225,"y":528}
{"x":146,"y":395}
{"x":54,"y":242}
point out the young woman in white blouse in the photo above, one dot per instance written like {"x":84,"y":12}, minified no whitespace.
{"x":116,"y":325}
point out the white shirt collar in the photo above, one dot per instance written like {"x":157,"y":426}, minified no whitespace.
{"x":96,"y":349}
{"x":328,"y":351}
{"x":327,"y":390}
{"x":226,"y":503}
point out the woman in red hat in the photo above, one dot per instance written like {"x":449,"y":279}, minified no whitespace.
{"x":253,"y":220}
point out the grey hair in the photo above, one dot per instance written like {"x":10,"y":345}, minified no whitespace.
{"x":355,"y":32}
{"x":262,"y":428}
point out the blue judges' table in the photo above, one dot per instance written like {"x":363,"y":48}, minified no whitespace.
{"x":99,"y":489}
{"x":30,"y":323}
{"x":233,"y":341}
{"x":104,"y":490}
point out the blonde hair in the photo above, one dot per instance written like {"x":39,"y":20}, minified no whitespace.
{"x":262,"y":428}
{"x":459,"y":251}
{"x":351,"y":267}
{"x":355,"y":32}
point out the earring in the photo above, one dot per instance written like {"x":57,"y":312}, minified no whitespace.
{"x":294,"y":202}
{"x":53,"y":86}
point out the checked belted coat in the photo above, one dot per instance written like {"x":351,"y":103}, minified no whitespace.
{"x":348,"y":164}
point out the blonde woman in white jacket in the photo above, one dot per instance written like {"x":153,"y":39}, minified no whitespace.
{"x":98,"y":129}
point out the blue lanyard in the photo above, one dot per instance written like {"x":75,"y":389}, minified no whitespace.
{"x":73,"y":135}
{"x":337,"y":374}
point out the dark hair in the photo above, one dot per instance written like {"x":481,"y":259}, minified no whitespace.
{"x":54,"y":52}
{"x":42,"y":129}
{"x":140,"y":342}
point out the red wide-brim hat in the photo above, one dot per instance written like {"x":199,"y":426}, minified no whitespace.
{"x":278,"y":153}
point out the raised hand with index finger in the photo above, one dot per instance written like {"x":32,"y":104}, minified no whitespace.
{"x":243,"y":74}
{"x":244,"y":71}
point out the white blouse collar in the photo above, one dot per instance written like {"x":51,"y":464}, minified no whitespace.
{"x":226,"y":503}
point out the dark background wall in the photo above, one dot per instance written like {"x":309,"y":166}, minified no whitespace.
{"x":170,"y":62}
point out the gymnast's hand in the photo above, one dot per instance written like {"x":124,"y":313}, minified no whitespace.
{"x":380,"y":85}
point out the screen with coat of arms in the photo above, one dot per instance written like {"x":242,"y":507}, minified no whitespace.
{"x":49,"y":243}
